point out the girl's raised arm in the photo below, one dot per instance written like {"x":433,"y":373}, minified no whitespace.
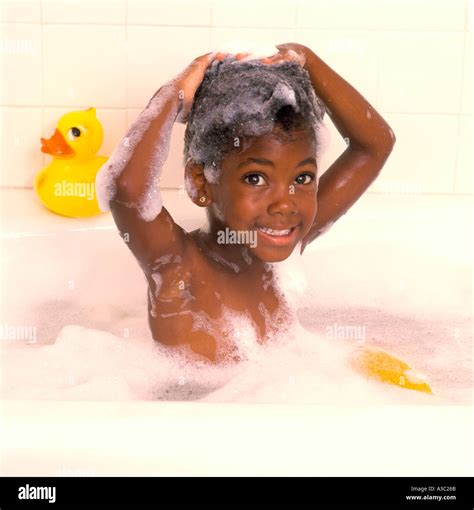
{"x":128,"y":184}
{"x":369,"y":140}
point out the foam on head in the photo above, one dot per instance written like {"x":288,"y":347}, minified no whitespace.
{"x":253,"y":49}
{"x":238,"y":100}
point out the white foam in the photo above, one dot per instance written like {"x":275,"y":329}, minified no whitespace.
{"x":104,"y":362}
{"x":254,"y":50}
{"x":211,"y":173}
{"x":158,"y":282}
{"x":305,"y":368}
{"x":151,"y":298}
{"x":246,"y":256}
{"x":87,"y":364}
{"x":150,"y":204}
{"x":206,"y":226}
{"x":221,"y":260}
{"x":164,"y":259}
{"x":190,"y":187}
{"x":290,"y":279}
{"x":297,"y":366}
{"x":286,"y":93}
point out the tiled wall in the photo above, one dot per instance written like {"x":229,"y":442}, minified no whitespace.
{"x":411,"y":59}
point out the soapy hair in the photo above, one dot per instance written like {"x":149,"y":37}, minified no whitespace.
{"x":237,"y":100}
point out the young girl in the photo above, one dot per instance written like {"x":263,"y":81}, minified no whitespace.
{"x":251,"y":149}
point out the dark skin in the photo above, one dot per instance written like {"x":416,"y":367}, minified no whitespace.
{"x":271,"y":184}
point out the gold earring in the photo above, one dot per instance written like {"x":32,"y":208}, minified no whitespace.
{"x":202,"y":199}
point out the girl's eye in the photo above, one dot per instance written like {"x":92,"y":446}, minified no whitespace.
{"x":304,"y":178}
{"x":254,"y":179}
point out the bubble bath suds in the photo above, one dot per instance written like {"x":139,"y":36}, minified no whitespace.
{"x":150,"y":203}
{"x":238,"y":100}
{"x":295,"y":366}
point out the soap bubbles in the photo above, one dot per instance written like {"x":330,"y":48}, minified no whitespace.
{"x":241,"y":99}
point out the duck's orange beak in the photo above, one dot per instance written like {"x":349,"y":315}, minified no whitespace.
{"x":56,"y":145}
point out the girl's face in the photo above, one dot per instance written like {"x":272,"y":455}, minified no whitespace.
{"x":269,"y":188}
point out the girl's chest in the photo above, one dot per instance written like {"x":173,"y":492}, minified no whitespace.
{"x":198,"y":306}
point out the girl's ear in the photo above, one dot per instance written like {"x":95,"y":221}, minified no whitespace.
{"x":196,"y":184}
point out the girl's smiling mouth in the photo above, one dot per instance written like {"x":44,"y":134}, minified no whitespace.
{"x":278,"y":237}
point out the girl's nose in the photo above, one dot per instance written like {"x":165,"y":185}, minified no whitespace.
{"x":282,"y":202}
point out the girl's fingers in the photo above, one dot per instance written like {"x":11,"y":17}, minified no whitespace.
{"x":282,"y":56}
{"x":275,"y":59}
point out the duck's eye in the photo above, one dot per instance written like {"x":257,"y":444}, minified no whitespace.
{"x":254,"y":179}
{"x":74,"y":133}
{"x":304,"y":178}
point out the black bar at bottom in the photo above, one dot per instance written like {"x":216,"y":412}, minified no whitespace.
{"x":191,"y":492}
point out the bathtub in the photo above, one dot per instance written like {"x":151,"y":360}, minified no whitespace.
{"x":399,"y":266}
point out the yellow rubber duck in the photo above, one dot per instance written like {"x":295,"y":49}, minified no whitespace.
{"x":377,"y":364}
{"x":67,"y":185}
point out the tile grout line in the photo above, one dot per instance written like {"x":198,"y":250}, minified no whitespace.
{"x":295,"y":20}
{"x":460,"y":104}
{"x":127,"y":60}
{"x":43,"y":116}
{"x":307,"y":28}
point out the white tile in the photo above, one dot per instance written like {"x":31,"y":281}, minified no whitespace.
{"x":465,"y":166}
{"x":353,"y":55}
{"x":169,"y":12}
{"x":422,"y":14}
{"x":220,"y":36}
{"x":466,"y":97}
{"x":84,"y":65}
{"x":114,"y":125}
{"x":251,"y":13}
{"x":173,"y":170}
{"x":21,"y":147}
{"x":21,"y":64}
{"x":334,"y":149}
{"x":424,"y":156}
{"x":469,"y":18}
{"x":20,"y":11}
{"x":420,"y":72}
{"x":153,"y":64}
{"x":338,"y":14}
{"x":106,"y":12}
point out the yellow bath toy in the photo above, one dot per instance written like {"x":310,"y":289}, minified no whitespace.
{"x":377,"y":364}
{"x":67,"y":185}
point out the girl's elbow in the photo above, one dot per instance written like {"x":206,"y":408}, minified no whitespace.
{"x":386,"y":143}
